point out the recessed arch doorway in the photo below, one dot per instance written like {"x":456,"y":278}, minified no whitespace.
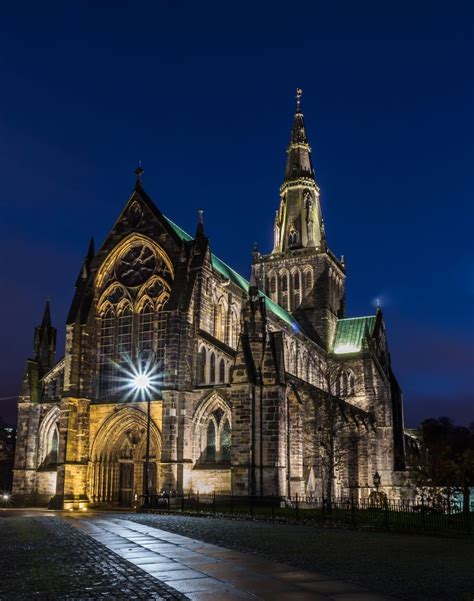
{"x":117,"y":466}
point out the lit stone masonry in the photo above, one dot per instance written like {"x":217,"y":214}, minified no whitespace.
{"x":262,"y":387}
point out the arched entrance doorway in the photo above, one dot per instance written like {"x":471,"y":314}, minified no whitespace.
{"x":118,"y":458}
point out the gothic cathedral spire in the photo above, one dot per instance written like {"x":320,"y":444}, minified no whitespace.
{"x":298,"y":222}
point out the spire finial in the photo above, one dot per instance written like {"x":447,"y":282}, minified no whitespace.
{"x":46,"y":321}
{"x":139,"y":171}
{"x":200,"y":225}
{"x":299,"y":93}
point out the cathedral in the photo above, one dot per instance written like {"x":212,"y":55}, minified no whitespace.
{"x":260,"y":387}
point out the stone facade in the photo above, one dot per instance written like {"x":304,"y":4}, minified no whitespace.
{"x":260,"y":388}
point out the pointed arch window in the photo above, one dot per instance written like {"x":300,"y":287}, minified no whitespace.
{"x":52,"y":456}
{"x":284,"y":283}
{"x":212,"y":371}
{"x":214,"y":434}
{"x":308,"y":281}
{"x":125,"y":333}
{"x":296,"y":280}
{"x":292,"y":236}
{"x":220,"y":322}
{"x":273,"y":286}
{"x":106,"y":351}
{"x":202,"y":365}
{"x":234,"y":329}
{"x":145,"y":326}
{"x":211,"y":442}
{"x":222,"y":371}
{"x":350,"y":384}
{"x":345,"y":385}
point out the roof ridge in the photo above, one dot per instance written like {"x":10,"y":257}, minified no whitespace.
{"x":361,"y":317}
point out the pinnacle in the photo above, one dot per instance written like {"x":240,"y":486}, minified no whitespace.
{"x":46,"y":321}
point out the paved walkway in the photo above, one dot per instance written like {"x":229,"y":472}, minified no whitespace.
{"x":205,"y":572}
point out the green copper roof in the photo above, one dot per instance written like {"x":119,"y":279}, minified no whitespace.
{"x":231,"y":274}
{"x":350,"y":334}
{"x":181,"y":233}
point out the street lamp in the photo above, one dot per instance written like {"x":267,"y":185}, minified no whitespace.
{"x":142,"y":381}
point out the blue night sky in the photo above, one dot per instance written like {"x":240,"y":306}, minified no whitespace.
{"x":203,"y":94}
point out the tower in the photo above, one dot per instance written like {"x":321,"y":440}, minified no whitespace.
{"x":301,"y":273}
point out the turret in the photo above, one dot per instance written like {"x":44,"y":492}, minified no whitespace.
{"x":44,"y":344}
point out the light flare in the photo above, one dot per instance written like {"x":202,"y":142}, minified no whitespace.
{"x":139,"y":380}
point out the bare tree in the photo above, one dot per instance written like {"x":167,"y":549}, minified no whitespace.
{"x":327,"y":425}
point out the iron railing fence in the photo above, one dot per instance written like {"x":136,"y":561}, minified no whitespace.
{"x":366,"y":513}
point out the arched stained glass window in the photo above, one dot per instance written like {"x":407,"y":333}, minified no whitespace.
{"x":145,"y":327}
{"x":211,"y":442}
{"x":125,"y":333}
{"x":308,"y":281}
{"x":106,"y":351}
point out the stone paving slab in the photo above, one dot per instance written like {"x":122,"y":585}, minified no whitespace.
{"x":45,"y":558}
{"x":205,"y":572}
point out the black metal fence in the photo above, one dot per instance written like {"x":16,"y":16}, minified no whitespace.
{"x":363,"y":514}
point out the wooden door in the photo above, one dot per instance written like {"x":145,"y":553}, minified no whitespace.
{"x":126,"y":485}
